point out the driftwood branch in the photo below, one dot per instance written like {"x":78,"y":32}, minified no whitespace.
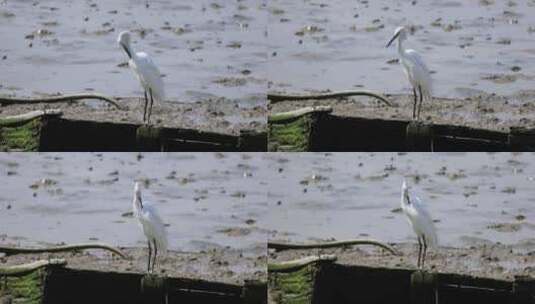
{"x":293,"y":265}
{"x":16,"y":120}
{"x":287,"y":246}
{"x":55,"y":99}
{"x":12,"y":250}
{"x":274,"y":98}
{"x":299,"y":112}
{"x":23,"y":269}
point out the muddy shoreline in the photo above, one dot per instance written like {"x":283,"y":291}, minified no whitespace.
{"x":219,"y":115}
{"x":485,"y":111}
{"x":482,"y":259}
{"x":216,"y":265}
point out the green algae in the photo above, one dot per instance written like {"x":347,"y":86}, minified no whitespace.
{"x":26,"y":289}
{"x":23,"y":137}
{"x":292,"y":135}
{"x":294,"y":287}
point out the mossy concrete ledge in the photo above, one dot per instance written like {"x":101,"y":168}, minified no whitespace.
{"x":48,"y":131}
{"x":55,"y":284}
{"x":330,"y":282}
{"x":317,"y":129}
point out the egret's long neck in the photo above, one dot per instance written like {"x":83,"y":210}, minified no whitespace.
{"x":400,"y":46}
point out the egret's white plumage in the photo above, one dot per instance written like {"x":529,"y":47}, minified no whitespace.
{"x":146,"y":71}
{"x":420,"y":221}
{"x":152,"y":225}
{"x":415,"y":69}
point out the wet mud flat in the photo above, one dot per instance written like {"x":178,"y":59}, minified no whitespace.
{"x":469,"y":46}
{"x":223,"y":265}
{"x":208,"y":201}
{"x":218,"y":115}
{"x":484,"y":111}
{"x":204,"y":49}
{"x":473,"y":198}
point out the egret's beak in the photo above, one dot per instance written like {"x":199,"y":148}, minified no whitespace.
{"x":392,"y":40}
{"x":126,"y":50}
{"x":408,"y":198}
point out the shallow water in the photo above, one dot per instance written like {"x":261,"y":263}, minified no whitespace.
{"x":353,"y":195}
{"x":210,"y":49}
{"x":198,"y":45}
{"x":344,"y":45}
{"x":215,"y":200}
{"x":90,"y":193}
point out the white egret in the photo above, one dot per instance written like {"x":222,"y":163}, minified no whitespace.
{"x":152,"y":224}
{"x":146,"y":71}
{"x":415,"y":69}
{"x":420,"y":221}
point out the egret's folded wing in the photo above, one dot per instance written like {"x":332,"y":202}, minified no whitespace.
{"x":427,"y":221}
{"x":150,"y":74}
{"x":419,"y":70}
{"x":157,"y":225}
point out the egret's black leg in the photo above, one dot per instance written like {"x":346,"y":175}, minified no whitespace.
{"x":415,"y":102}
{"x":155,"y":254}
{"x":151,"y":102}
{"x":150,"y":253}
{"x":421,"y":100}
{"x":419,"y":251}
{"x":425,"y":251}
{"x":145,"y":107}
